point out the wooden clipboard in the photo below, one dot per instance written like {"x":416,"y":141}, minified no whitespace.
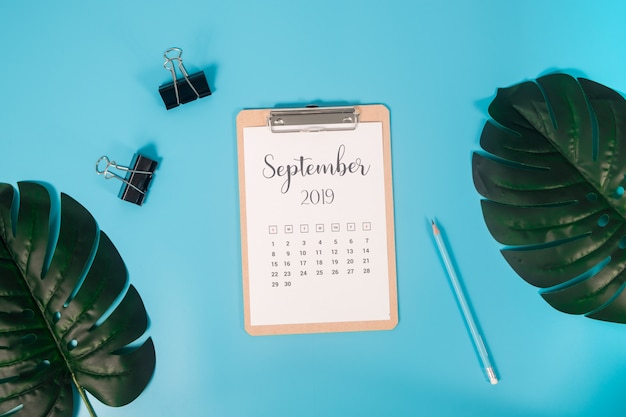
{"x":317,"y":225}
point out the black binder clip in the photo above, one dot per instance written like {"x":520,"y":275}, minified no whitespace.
{"x":137,"y":179}
{"x":179,"y":92}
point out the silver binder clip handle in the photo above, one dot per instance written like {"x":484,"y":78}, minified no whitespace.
{"x":107,"y":174}
{"x":177,"y":54}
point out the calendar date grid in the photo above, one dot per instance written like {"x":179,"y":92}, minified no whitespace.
{"x":319,"y":251}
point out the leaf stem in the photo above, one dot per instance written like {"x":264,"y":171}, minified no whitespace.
{"x":83,"y":395}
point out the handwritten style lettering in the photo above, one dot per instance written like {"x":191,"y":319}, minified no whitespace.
{"x":305,"y":167}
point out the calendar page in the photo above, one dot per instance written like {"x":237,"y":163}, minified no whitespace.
{"x":317,"y":230}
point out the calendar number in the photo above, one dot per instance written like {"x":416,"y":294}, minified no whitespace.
{"x":315,"y":197}
{"x":277,"y":284}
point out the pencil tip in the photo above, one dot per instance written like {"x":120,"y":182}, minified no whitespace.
{"x":434,"y":226}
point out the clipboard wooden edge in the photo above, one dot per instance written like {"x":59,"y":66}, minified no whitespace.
{"x":367,"y":113}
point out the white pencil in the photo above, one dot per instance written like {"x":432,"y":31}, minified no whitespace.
{"x":467,"y":314}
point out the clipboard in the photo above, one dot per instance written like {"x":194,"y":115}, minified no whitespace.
{"x":317,"y":222}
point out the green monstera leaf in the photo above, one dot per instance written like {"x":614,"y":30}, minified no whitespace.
{"x":59,"y":281}
{"x":553,"y":175}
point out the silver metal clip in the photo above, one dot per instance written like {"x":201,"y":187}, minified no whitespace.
{"x":169,"y":65}
{"x":107,"y":174}
{"x":313,"y":119}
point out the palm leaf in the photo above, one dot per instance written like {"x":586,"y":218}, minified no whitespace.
{"x":56,"y":291}
{"x":553,"y":175}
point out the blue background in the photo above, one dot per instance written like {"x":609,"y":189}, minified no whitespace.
{"x":80,"y":80}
